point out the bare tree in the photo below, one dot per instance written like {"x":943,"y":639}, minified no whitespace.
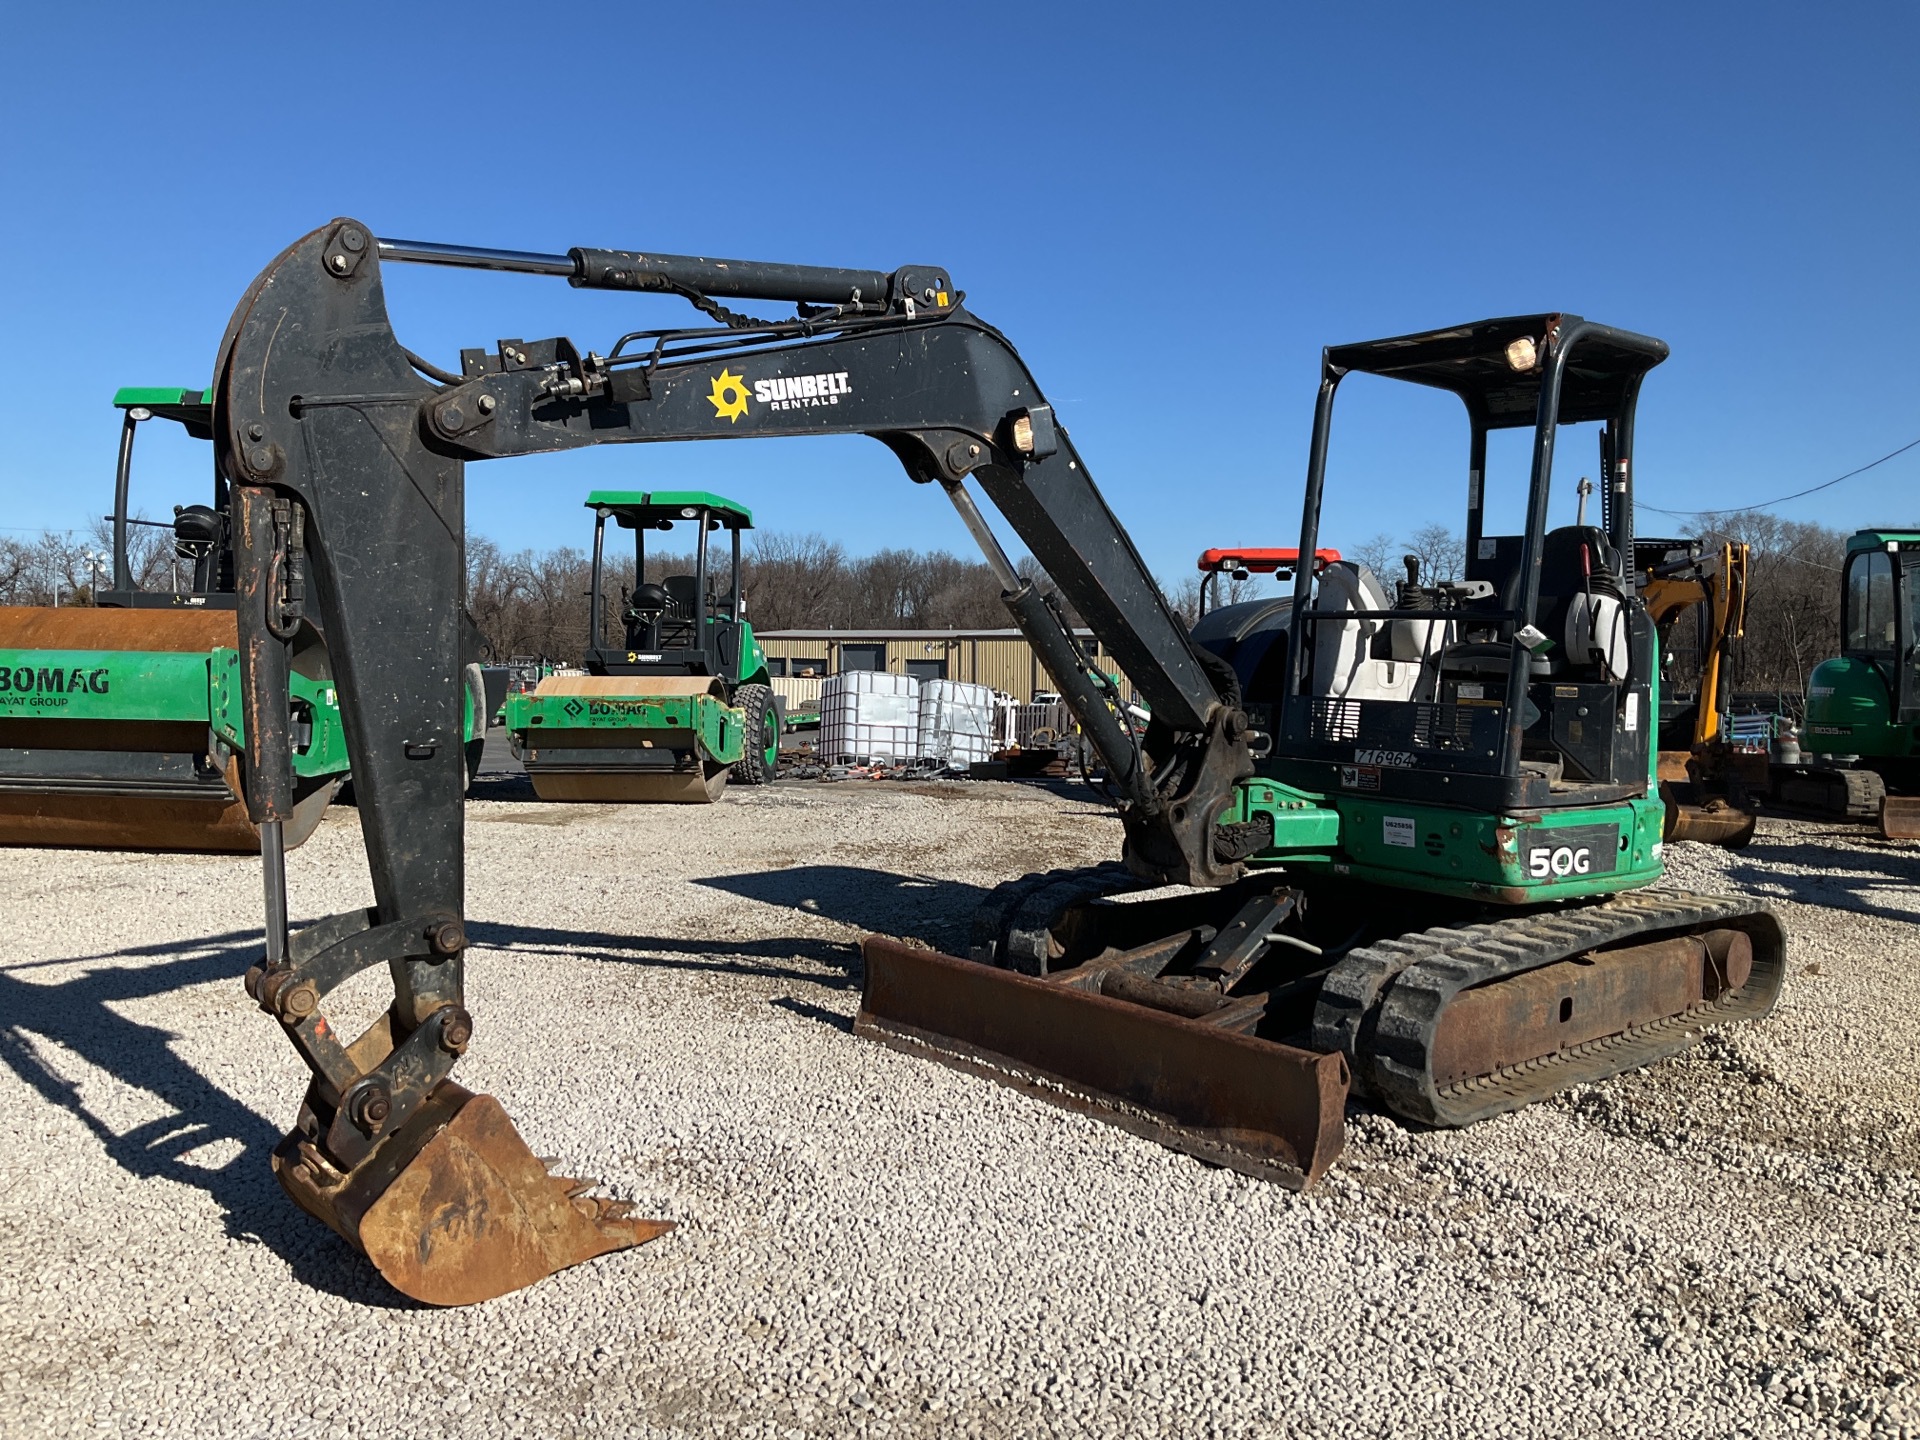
{"x":1442,"y":553}
{"x":795,"y":581}
{"x":1380,"y":554}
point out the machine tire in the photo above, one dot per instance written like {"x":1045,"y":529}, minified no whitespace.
{"x":762,"y":760}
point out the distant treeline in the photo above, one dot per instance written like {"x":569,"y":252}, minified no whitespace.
{"x":535,"y":601}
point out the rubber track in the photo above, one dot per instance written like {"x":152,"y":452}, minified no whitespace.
{"x":1012,"y":928}
{"x":1382,"y":1004}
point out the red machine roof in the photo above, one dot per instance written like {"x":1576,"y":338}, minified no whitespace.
{"x":1263,"y":562}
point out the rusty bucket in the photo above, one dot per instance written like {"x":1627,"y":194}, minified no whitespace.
{"x":453,"y":1208}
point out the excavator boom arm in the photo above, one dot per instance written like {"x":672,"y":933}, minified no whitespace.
{"x":347,"y":467}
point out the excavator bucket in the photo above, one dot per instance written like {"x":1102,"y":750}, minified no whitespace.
{"x":1716,"y":821}
{"x":1900,"y":817}
{"x":1265,"y":1109}
{"x":648,"y":739}
{"x":105,"y":721}
{"x":453,"y":1208}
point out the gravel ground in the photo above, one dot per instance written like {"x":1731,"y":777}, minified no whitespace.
{"x":872,"y":1244}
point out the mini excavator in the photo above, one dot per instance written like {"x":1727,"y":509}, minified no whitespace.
{"x":1407,"y":836}
{"x":1704,"y":781}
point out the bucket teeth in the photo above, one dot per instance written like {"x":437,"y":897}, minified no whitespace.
{"x":453,"y":1207}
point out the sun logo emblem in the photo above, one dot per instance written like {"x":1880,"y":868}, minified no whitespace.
{"x":728,"y":396}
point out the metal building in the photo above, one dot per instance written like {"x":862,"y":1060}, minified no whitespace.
{"x":1000,"y":658}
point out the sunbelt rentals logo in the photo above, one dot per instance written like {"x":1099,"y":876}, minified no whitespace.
{"x":733,"y":396}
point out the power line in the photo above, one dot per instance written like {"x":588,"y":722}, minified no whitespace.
{"x":1768,"y":504}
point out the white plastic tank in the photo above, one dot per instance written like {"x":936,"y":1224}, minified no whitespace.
{"x":956,"y":723}
{"x":868,"y":717}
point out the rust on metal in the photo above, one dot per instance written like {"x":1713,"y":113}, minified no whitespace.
{"x":1251,"y":1105}
{"x":67,"y":818}
{"x":453,"y":1208}
{"x":1556,"y":1007}
{"x":1671,"y":765}
{"x":693,"y":782}
{"x":1717,"y":822}
{"x":1900,"y":817}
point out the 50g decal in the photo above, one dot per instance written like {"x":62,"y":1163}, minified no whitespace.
{"x":1558,"y":861}
{"x":1570,"y":852}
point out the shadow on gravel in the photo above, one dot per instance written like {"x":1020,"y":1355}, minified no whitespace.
{"x":831,"y":1018}
{"x":78,"y":1014}
{"x":743,"y":957}
{"x":1840,"y":876}
{"x":937,"y":911}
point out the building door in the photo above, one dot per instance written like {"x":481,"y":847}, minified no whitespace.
{"x":862,"y":657}
{"x":927,"y":669}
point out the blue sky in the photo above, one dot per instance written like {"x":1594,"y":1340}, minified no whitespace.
{"x":1168,"y":209}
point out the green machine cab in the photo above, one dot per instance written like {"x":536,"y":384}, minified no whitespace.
{"x":1866,"y":702}
{"x":682,"y":704}
{"x":1861,"y":738}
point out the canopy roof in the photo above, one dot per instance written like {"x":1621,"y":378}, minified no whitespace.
{"x":1263,"y":561}
{"x":1880,"y":537}
{"x":652,"y":507}
{"x":190,"y":408}
{"x":1471,"y":361}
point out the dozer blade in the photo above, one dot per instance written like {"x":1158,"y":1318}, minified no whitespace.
{"x":681,"y":777}
{"x":1900,"y":817}
{"x":453,"y":1208}
{"x":1250,"y":1105}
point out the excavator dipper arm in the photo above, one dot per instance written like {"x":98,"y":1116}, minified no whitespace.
{"x":347,"y":470}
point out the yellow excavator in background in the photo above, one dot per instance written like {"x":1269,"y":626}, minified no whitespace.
{"x":1703,"y":776}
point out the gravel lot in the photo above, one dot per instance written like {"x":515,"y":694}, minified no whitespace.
{"x":872,"y":1244}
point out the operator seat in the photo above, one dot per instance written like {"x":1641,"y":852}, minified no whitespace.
{"x":1345,"y":666}
{"x":1563,"y":590}
{"x":682,"y":590}
{"x":676,"y":626}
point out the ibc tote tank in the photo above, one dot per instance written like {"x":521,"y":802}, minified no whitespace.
{"x":868,"y":717}
{"x":956,"y":723}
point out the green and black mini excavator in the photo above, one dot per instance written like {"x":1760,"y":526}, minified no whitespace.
{"x":1401,"y":840}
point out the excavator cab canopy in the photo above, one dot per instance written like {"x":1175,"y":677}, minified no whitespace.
{"x":1880,"y":615}
{"x":1495,"y":366}
{"x":1522,"y":683}
{"x":200,"y":536}
{"x":1246,"y":562}
{"x":190,"y":408}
